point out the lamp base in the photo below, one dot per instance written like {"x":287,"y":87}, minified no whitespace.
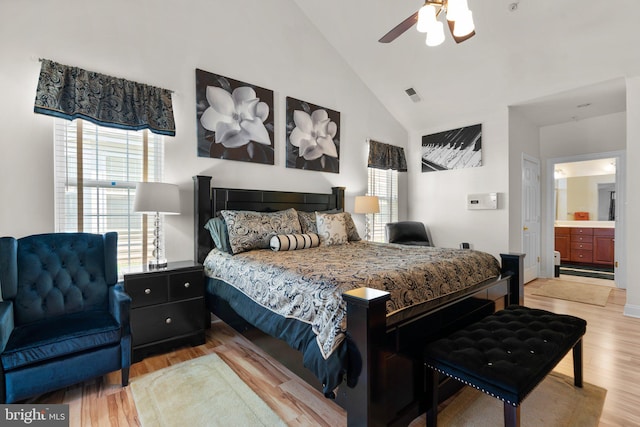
{"x":155,"y":264}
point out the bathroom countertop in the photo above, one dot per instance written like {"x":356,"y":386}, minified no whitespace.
{"x":586,"y":224}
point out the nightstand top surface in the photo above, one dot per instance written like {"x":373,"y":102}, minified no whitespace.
{"x":171,"y":266}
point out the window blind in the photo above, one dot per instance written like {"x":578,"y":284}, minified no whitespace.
{"x":384,"y":184}
{"x":96,"y":171}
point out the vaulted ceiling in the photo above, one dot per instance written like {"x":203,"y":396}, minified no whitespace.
{"x":545,"y":56}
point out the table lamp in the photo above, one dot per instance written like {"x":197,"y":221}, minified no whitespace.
{"x":367,"y":205}
{"x":157,"y":198}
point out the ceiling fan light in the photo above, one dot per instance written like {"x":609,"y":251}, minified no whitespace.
{"x":426,"y":18}
{"x":435,"y":36}
{"x":464,"y":24}
{"x":455,"y":8}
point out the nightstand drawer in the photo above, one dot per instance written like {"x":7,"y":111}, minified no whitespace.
{"x":166,"y":321}
{"x":186,"y":285}
{"x":147,"y":290}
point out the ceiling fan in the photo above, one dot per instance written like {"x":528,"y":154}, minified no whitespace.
{"x":459,"y":19}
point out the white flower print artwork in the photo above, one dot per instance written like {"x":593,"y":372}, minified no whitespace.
{"x":235,"y":119}
{"x":313,"y":137}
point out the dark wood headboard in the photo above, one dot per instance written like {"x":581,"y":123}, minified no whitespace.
{"x":209,"y":201}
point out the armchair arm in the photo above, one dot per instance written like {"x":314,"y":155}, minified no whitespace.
{"x":120,"y":306}
{"x":6,"y":323}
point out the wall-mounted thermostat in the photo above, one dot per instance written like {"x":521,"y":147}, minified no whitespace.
{"x":482,"y":201}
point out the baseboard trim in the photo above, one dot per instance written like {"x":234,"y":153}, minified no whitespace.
{"x":632,"y":310}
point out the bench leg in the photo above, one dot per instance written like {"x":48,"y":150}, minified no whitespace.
{"x":577,"y":364}
{"x":511,"y":415}
{"x":432,"y":397}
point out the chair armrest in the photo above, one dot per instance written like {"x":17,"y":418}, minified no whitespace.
{"x":120,"y":305}
{"x":6,"y":323}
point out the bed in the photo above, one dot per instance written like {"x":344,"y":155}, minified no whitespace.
{"x":372,"y":367}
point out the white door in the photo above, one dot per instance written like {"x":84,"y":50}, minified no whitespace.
{"x":531,"y":217}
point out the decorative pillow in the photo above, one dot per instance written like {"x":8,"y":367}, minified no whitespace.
{"x":253,"y":230}
{"x":308,"y":223}
{"x":308,"y":220}
{"x":331,"y":228}
{"x":291,"y":242}
{"x":218,"y":230}
{"x":352,"y":231}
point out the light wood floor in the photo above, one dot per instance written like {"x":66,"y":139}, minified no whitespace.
{"x":611,"y":360}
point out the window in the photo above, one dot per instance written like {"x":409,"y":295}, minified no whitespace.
{"x":384,"y":184}
{"x":94,"y":190}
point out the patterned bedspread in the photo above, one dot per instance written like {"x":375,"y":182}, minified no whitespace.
{"x":308,"y":284}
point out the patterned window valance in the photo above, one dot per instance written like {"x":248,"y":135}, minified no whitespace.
{"x":72,"y":93}
{"x":385,"y":156}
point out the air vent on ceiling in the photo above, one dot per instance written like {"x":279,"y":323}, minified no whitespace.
{"x":413,"y":94}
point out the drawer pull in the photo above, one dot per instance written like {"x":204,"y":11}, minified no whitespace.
{"x":147,"y":291}
{"x":580,"y":245}
{"x":187,"y":284}
{"x":168,"y":320}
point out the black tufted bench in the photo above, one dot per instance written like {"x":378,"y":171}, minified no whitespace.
{"x":505,"y":355}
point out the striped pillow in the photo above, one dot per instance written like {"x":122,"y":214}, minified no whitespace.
{"x":291,"y":242}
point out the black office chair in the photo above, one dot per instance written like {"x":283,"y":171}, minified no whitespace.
{"x":408,"y":233}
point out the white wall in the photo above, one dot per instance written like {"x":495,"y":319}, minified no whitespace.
{"x":439,"y":198}
{"x":582,"y":194}
{"x":524,"y":138}
{"x":632,"y":306}
{"x":270,"y":44}
{"x":596,"y":135}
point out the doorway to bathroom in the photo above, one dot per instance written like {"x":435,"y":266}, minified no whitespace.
{"x":587,"y":193}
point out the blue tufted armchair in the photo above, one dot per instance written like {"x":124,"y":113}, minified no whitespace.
{"x":63,"y":317}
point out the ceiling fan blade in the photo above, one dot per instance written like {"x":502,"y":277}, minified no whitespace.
{"x":399,"y":29}
{"x":459,"y":39}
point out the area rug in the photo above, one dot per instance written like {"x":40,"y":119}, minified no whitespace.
{"x":199,"y":392}
{"x":579,"y":292}
{"x":555,"y":402}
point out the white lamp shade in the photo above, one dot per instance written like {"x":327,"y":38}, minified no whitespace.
{"x":152,"y":197}
{"x":426,"y":18}
{"x":464,"y":24}
{"x":435,"y":36}
{"x":367,"y":205}
{"x":455,"y":8}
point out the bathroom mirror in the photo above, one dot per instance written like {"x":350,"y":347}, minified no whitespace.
{"x":585,"y":190}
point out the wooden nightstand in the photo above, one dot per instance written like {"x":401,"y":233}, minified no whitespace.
{"x":167,"y":308}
